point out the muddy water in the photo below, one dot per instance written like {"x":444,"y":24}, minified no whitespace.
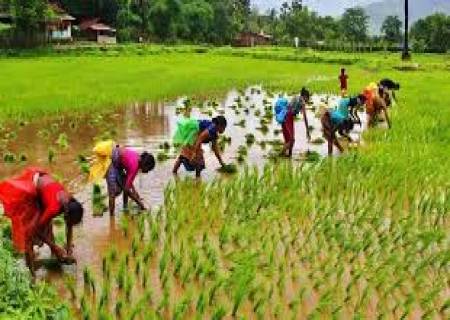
{"x":143,"y":127}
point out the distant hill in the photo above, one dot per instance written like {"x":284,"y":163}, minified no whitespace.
{"x":378,"y":11}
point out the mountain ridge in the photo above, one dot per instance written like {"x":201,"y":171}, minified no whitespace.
{"x":418,"y":9}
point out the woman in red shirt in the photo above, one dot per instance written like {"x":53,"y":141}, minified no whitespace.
{"x":31,"y":200}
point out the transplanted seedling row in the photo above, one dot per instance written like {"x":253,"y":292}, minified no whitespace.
{"x":278,"y":245}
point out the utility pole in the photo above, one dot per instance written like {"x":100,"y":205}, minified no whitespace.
{"x":405,"y":54}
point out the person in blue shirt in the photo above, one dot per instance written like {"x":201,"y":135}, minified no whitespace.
{"x":191,"y":134}
{"x":285,"y":113}
{"x":341,"y":119}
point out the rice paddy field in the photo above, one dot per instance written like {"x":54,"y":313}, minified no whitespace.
{"x":362,"y":235}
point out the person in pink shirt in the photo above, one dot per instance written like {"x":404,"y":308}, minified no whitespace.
{"x":122,"y":172}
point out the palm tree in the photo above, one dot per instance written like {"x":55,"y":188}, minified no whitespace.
{"x":406,"y":55}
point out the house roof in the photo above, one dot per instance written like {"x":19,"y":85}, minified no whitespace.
{"x":255,"y":34}
{"x":95,"y":24}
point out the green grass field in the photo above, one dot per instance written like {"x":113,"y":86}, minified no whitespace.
{"x":381,"y":212}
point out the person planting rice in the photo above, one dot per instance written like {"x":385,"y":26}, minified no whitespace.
{"x":341,"y":119}
{"x":120,"y":166}
{"x":390,"y":87}
{"x":377,"y":101}
{"x":32,"y":200}
{"x":348,"y":107}
{"x":190,"y":135}
{"x":285,"y":113}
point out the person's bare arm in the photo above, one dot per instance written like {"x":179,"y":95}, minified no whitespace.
{"x":134,"y":195}
{"x":215,"y":148}
{"x":203,"y":136}
{"x":29,"y":256}
{"x":386,"y":115}
{"x":57,"y":250}
{"x":305,"y":118}
{"x":69,"y":239}
{"x":334,"y":138}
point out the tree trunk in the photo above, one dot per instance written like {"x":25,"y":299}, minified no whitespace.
{"x":405,"y":54}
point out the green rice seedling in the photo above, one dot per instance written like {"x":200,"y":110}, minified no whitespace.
{"x":70,"y":284}
{"x":51,"y":155}
{"x":134,"y":246}
{"x":104,"y":297}
{"x":165,"y":301}
{"x":137,"y":267}
{"x":224,"y":236}
{"x":124,"y":224}
{"x":23,"y":157}
{"x":98,"y":201}
{"x":241,"y":123}
{"x":213,"y":290}
{"x":219,"y":313}
{"x":106,"y":269}
{"x":263,"y":128}
{"x":162,"y":156}
{"x":163,"y":262}
{"x":112,"y":254}
{"x":89,"y":280}
{"x":84,"y":308}
{"x":318,"y":140}
{"x":257,"y":113}
{"x":242,"y":150}
{"x":154,"y":231}
{"x":240,"y":158}
{"x":228,"y":168}
{"x":121,"y":276}
{"x":311,"y":156}
{"x":129,"y":283}
{"x":178,"y":264}
{"x":250,"y":139}
{"x":144,"y":277}
{"x":181,"y":308}
{"x":62,"y":141}
{"x":118,"y":309}
{"x":201,"y":303}
{"x":186,"y":275}
{"x":9,"y":157}
{"x":148,"y":252}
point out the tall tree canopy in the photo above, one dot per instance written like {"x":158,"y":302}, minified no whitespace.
{"x":354,"y":24}
{"x":392,"y":29}
{"x":432,"y":33}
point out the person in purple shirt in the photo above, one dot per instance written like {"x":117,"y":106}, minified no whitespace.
{"x":122,"y":172}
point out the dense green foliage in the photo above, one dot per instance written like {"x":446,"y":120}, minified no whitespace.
{"x":432,"y":33}
{"x":392,"y":29}
{"x":19,"y":298}
{"x":220,"y":21}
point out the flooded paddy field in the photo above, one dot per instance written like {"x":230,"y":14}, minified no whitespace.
{"x":233,"y":248}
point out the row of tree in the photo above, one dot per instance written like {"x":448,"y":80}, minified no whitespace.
{"x":219,"y":21}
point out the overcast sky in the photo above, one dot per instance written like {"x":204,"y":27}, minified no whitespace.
{"x":324,"y":7}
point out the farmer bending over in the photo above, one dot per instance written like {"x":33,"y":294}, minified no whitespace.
{"x":31,"y":200}
{"x":285,"y":114}
{"x":390,"y":86}
{"x":342,"y":120}
{"x":120,"y":166}
{"x":377,"y":100}
{"x":191,"y":134}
